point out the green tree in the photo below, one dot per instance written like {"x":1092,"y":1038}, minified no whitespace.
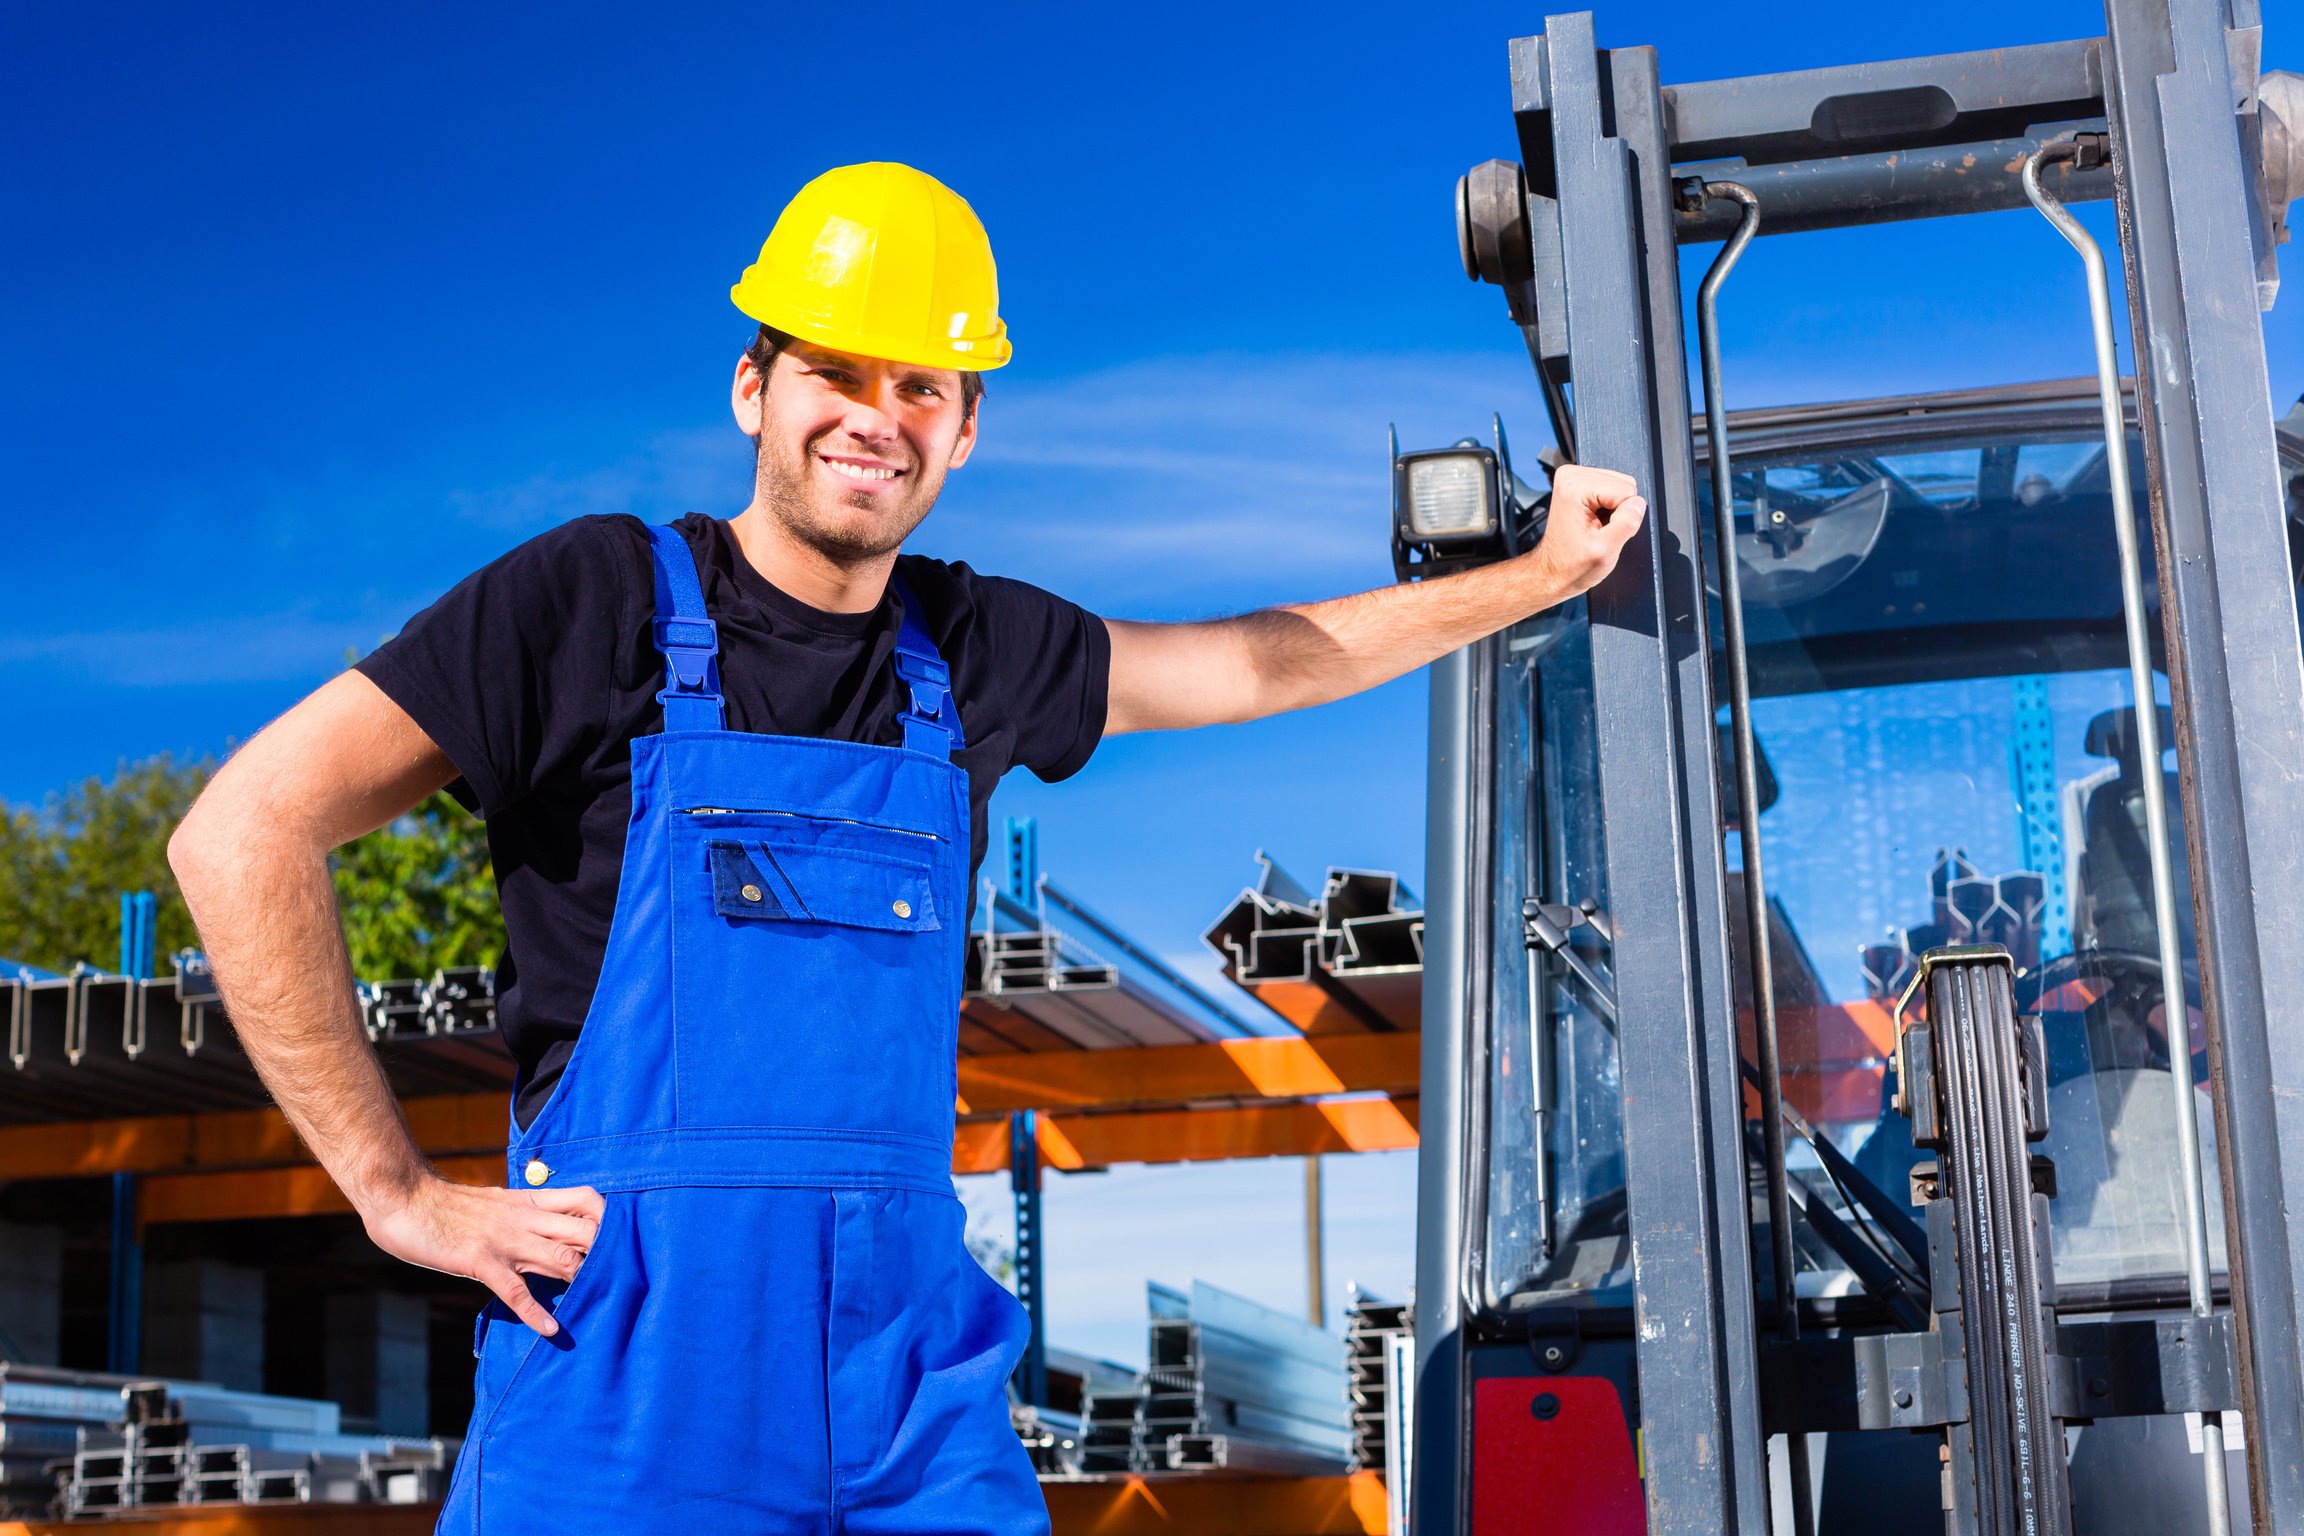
{"x":420,"y":894}
{"x":63,"y":866}
{"x":416,"y":895}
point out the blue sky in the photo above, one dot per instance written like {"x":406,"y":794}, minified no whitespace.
{"x":309,"y":311}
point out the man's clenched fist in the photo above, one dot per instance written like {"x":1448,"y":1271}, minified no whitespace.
{"x":1594,"y":514}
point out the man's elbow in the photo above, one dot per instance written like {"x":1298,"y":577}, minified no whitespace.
{"x":199,"y":850}
{"x":221,"y":843}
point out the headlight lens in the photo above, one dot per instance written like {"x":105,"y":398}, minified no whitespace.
{"x":1450,"y":496}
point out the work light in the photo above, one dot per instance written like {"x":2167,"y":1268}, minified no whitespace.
{"x":1451,"y":493}
{"x":1458,"y":506}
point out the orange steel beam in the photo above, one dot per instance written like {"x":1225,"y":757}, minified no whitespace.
{"x":1135,"y":1506}
{"x":1283,"y":1067}
{"x":1218,"y":1506}
{"x":1198,"y":1135}
{"x":456,"y":1124}
{"x":255,"y":1520}
{"x":238,"y":1138}
{"x":251,"y":1193}
{"x":980,"y":1146}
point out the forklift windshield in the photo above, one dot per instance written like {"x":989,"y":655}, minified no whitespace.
{"x":1942,"y":702}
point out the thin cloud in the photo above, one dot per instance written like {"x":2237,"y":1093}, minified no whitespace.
{"x":286,"y":646}
{"x":698,"y":468}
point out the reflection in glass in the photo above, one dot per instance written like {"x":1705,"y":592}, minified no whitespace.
{"x":1941,"y":698}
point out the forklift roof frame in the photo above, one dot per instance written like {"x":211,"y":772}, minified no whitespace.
{"x":1604,"y":143}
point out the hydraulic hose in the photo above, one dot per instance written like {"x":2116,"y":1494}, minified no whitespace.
{"x":2066,"y":146}
{"x":1748,"y":799}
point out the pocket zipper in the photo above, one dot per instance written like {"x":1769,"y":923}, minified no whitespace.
{"x":842,"y":821}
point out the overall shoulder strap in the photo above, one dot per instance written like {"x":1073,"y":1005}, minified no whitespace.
{"x":687,"y":637}
{"x":932,"y":719}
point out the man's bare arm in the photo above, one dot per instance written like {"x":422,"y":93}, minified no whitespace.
{"x":252,"y":861}
{"x":1175,"y":676}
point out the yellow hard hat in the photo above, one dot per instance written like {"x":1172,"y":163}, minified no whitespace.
{"x":883,"y":261}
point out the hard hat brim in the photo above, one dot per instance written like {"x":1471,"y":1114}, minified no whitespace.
{"x":973,"y":354}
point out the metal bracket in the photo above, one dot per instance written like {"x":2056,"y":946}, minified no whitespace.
{"x":1867,"y":1381}
{"x":2131,"y":1367}
{"x":1548,"y":926}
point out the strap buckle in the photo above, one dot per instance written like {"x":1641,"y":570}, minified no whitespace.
{"x":933,"y":713}
{"x":689,"y":646}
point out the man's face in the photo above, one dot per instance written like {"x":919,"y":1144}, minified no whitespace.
{"x":852,"y":449}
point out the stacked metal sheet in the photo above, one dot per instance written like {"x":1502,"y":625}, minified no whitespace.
{"x":178,"y":1443}
{"x":1055,"y":976}
{"x":1351,"y":958}
{"x":1370,"y":1327}
{"x":90,"y":1045}
{"x":1231,"y":1386}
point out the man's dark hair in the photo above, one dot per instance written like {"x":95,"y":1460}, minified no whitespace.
{"x":771,"y":341}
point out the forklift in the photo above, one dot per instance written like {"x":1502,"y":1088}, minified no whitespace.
{"x":1862,"y":1083}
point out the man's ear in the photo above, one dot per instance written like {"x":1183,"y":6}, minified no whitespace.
{"x":744,"y":395}
{"x":965,"y":443}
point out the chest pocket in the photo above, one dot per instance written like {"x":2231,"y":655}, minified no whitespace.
{"x":759,"y":880}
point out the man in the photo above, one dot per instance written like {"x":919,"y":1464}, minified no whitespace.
{"x":735,"y":777}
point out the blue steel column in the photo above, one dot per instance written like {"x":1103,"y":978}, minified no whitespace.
{"x":124,"y":1310}
{"x":2040,"y":813}
{"x":1705,"y":1456}
{"x":1024,"y":1179}
{"x":1023,"y":885}
{"x":2235,"y":673}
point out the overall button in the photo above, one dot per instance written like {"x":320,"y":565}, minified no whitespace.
{"x":537,"y":1171}
{"x":902,"y":909}
{"x":750,"y":893}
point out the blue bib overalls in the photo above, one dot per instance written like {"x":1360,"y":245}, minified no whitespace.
{"x":779,"y":1328}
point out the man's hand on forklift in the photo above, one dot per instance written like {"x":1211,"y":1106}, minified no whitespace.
{"x":1169,"y":677}
{"x":494,"y":1236}
{"x":1595,"y":513}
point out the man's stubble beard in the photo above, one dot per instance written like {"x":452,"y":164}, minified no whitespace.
{"x":784,"y":491}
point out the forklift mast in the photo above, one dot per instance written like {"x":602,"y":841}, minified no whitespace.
{"x":1660,"y":1267}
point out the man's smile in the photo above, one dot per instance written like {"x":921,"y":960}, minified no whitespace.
{"x":862,"y":470}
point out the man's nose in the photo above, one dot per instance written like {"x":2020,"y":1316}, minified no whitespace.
{"x":871,"y":414}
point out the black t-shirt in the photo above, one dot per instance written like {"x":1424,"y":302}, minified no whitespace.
{"x":535,"y":673}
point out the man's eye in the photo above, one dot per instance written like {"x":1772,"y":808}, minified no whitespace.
{"x":929,"y":391}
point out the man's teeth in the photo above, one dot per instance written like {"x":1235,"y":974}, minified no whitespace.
{"x":858,"y":471}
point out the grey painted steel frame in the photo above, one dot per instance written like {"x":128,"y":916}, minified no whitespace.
{"x":1688,"y":1206}
{"x":1457,"y":984}
{"x":2235,"y":672}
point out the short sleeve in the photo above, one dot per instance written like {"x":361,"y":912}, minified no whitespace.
{"x":1055,"y":669}
{"x":510,"y":672}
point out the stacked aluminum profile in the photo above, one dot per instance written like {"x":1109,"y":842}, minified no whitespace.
{"x":1055,"y":976}
{"x":1351,"y":958}
{"x":173,"y":1444}
{"x":90,"y":1045}
{"x":1108,"y":1429}
{"x":42,"y":1412}
{"x":1370,"y":1326}
{"x":1053,"y":1433}
{"x":1231,"y":1386}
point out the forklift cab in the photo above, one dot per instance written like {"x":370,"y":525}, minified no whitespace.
{"x":1944,"y":732}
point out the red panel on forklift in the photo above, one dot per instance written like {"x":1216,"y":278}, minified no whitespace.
{"x":1552,"y":1456}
